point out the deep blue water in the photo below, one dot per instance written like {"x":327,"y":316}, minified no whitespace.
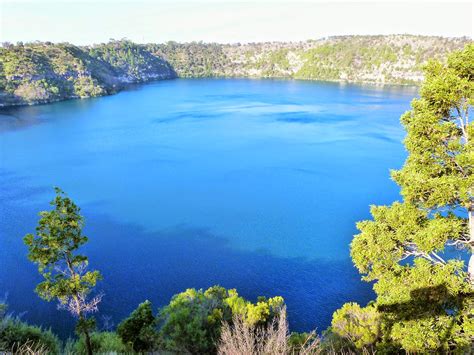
{"x":250,"y":184}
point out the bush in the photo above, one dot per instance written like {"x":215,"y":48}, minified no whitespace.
{"x":192,"y":321}
{"x":242,"y":337}
{"x":138,"y":330}
{"x":15,"y":334}
{"x":361,"y":326}
{"x":102,"y":342}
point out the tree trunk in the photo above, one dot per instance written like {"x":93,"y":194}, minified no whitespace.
{"x":85,"y":330}
{"x":470,"y":268}
{"x":88,"y":343}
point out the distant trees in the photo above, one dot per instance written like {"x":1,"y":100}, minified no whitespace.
{"x":54,"y":249}
{"x":414,"y":249}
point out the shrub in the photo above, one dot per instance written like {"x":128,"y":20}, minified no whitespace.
{"x":243,"y":338}
{"x":192,"y":321}
{"x":102,"y":342}
{"x":138,"y":330}
{"x":361,"y":326}
{"x":16,"y":335}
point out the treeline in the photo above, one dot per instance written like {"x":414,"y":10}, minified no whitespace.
{"x":44,"y":72}
{"x":414,"y":252}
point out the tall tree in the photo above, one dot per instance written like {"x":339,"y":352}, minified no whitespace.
{"x":439,"y":172}
{"x":414,"y":250}
{"x":54,"y":250}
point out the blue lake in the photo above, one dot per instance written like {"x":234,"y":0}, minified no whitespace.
{"x":249,"y":184}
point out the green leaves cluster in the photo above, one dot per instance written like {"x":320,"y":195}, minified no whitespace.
{"x":53,"y":248}
{"x":362,"y":326}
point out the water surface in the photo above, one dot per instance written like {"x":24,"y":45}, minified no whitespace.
{"x":250,"y":184}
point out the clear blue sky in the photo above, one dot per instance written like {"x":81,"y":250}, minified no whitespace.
{"x":87,"y":21}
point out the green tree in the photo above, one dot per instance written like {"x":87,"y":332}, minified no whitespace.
{"x":138,"y":330}
{"x":414,"y":250}
{"x":54,"y":249}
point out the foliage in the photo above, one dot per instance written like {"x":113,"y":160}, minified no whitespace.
{"x":192,"y":321}
{"x":372,"y":58}
{"x":102,"y":342}
{"x":138,"y":330}
{"x":414,"y":249}
{"x":15,"y":335}
{"x":54,"y":249}
{"x":43,"y":72}
{"x":131,"y":61}
{"x":192,"y":60}
{"x":360,"y":325}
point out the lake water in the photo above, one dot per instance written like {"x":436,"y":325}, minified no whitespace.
{"x":249,"y":184}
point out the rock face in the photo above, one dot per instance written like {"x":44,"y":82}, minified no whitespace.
{"x":45,"y":72}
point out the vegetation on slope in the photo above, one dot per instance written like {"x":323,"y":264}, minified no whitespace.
{"x":132,"y":62}
{"x":17,"y":336}
{"x":396,"y":59}
{"x":192,"y":60}
{"x":43,"y":72}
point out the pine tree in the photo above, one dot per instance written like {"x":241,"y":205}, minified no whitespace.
{"x":415,"y":250}
{"x":54,"y":249}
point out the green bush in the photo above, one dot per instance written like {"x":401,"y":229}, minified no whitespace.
{"x":15,"y":333}
{"x":102,"y":342}
{"x":193,"y":319}
{"x":138,"y":330}
{"x":359,"y":325}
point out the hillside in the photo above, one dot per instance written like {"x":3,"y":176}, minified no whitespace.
{"x":44,"y":72}
{"x":395,"y":59}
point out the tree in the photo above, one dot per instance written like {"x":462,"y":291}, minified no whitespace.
{"x":414,"y":249}
{"x":439,"y":172}
{"x":54,"y":250}
{"x":138,"y":330}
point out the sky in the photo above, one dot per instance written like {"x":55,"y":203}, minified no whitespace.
{"x":143,"y":21}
